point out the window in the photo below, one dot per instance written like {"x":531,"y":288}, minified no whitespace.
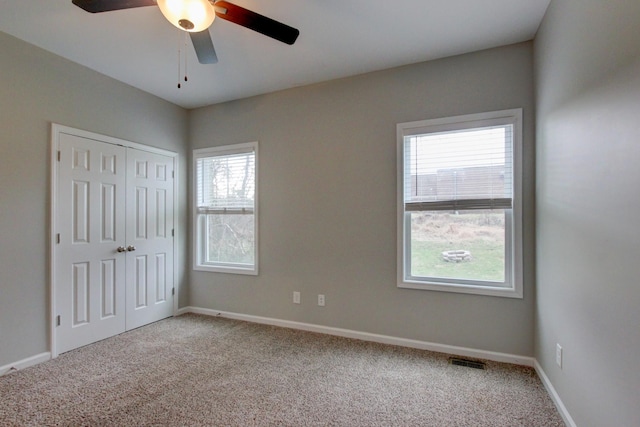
{"x":225,"y":209}
{"x":459,"y":204}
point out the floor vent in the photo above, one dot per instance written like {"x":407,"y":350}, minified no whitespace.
{"x":468,"y":363}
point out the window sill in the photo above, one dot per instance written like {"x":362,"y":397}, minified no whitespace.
{"x":226,"y":269}
{"x":463,"y":289}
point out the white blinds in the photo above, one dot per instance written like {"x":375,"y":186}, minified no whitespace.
{"x":461,"y":169}
{"x":226,"y":183}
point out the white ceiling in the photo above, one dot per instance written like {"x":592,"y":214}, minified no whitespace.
{"x":338,"y":38}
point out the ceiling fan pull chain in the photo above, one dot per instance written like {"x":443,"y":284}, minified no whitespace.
{"x":179,"y":73}
{"x":179,"y":68}
{"x":186,"y":48}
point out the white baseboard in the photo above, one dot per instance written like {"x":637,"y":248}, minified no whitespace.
{"x":366,"y":336}
{"x":25,"y":363}
{"x":554,"y":396}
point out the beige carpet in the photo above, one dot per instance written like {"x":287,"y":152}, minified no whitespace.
{"x":203,"y":371}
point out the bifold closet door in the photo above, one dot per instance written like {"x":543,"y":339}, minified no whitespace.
{"x":149,"y":237}
{"x":114,"y":250}
{"x":90,"y":267}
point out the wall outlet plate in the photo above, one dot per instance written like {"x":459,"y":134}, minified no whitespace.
{"x":321,"y":300}
{"x":296,"y":297}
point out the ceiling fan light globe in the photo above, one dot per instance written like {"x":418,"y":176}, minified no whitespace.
{"x":188,"y":15}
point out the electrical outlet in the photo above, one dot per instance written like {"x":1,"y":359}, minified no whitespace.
{"x":321,"y":300}
{"x":559,"y":355}
{"x":296,"y":297}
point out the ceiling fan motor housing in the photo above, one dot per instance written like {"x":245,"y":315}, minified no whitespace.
{"x":188,"y":15}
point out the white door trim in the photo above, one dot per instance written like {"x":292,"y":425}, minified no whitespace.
{"x":56,"y":130}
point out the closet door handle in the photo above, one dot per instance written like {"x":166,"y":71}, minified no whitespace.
{"x":121,"y":249}
{"x":131,"y":248}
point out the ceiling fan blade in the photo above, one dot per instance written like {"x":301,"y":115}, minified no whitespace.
{"x":95,"y":6}
{"x":256,"y":22}
{"x":204,"y":47}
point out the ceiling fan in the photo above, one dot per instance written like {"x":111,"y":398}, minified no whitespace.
{"x":195,"y":17}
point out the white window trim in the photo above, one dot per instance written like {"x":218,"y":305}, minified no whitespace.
{"x":514,"y":245}
{"x":198,"y":243}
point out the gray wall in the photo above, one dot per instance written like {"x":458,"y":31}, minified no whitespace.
{"x":38,"y":88}
{"x":328,"y":188}
{"x":587,"y":57}
{"x":327,"y":180}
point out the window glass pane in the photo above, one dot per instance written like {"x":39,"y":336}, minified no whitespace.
{"x":461,"y":164}
{"x":230,"y":239}
{"x":226,"y":181}
{"x":458,"y":245}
